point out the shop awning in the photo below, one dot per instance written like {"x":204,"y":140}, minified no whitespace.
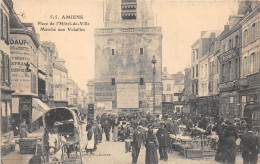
{"x":38,"y":109}
{"x":252,"y":107}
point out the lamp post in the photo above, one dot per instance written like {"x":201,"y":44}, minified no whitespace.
{"x":154,"y":62}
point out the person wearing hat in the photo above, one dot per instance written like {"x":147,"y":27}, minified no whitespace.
{"x":136,"y":143}
{"x":249,"y":146}
{"x":230,"y":137}
{"x":164,"y":141}
{"x":221,"y":150}
{"x":106,"y":127}
{"x":115,"y":130}
{"x":151,"y":144}
{"x":23,"y":130}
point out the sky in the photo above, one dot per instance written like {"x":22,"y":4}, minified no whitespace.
{"x":181,"y":22}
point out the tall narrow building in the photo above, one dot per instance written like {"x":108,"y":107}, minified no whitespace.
{"x":124,"y":50}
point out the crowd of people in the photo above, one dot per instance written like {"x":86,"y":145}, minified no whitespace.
{"x":153,"y":132}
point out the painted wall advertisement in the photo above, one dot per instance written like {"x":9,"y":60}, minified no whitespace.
{"x":104,"y":92}
{"x":22,"y":54}
{"x":127,"y":96}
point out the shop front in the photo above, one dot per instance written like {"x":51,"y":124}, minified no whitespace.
{"x":209,"y":105}
{"x":229,"y":100}
{"x":28,"y":108}
{"x":6,"y":107}
{"x":250,"y":98}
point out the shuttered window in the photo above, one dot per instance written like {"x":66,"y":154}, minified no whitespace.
{"x":2,"y":66}
{"x":6,"y":68}
{"x":2,"y":29}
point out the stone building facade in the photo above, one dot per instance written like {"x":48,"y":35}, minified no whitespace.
{"x":6,"y":90}
{"x":250,"y":65}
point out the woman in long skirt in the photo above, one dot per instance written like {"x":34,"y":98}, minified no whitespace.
{"x":91,"y":145}
{"x":151,"y":156}
{"x":115,"y":131}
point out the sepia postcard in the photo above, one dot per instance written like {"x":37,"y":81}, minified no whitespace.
{"x":130,"y":81}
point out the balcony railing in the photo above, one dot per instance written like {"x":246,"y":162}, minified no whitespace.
{"x":102,"y":31}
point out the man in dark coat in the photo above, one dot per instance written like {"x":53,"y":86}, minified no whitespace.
{"x":249,"y":147}
{"x":164,"y":142}
{"x":138,"y":138}
{"x":169,"y":126}
{"x":106,"y":127}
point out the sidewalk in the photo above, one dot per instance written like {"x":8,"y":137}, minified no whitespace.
{"x":16,"y":157}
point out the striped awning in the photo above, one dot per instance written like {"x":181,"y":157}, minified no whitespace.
{"x":38,"y":109}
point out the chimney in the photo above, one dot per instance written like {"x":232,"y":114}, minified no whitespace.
{"x":226,"y":27}
{"x":202,"y":33}
{"x":213,"y":35}
{"x":234,"y":19}
{"x":164,"y":69}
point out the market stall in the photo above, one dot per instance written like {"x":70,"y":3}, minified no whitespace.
{"x":193,"y":146}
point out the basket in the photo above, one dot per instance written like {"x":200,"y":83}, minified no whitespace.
{"x":27,"y":145}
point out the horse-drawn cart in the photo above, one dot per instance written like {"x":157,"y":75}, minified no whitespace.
{"x":61,"y":139}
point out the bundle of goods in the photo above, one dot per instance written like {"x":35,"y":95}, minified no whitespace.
{"x":182,"y":138}
{"x":27,"y":145}
{"x":7,"y":148}
{"x":7,"y":145}
{"x":197,"y":132}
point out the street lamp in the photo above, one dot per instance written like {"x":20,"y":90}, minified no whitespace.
{"x":154,"y":62}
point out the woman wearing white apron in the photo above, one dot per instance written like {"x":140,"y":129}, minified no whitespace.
{"x":90,"y":147}
{"x":115,"y":131}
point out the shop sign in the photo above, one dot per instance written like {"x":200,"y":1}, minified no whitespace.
{"x":228,"y":86}
{"x":228,"y":55}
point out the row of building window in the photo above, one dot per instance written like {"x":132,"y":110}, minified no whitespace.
{"x":195,"y":71}
{"x":195,"y":89}
{"x":195,"y":54}
{"x":4,"y":27}
{"x":214,"y":67}
{"x":141,"y":51}
{"x":230,"y":44}
{"x":230,"y":70}
{"x":251,"y":64}
{"x":251,"y":33}
{"x":204,"y":71}
{"x":60,"y":94}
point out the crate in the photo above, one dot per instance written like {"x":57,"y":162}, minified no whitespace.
{"x":7,"y":149}
{"x":193,"y":153}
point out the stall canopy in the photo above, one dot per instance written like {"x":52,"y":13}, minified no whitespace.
{"x":38,"y":109}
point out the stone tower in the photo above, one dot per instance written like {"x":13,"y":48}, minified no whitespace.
{"x":124,"y":49}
